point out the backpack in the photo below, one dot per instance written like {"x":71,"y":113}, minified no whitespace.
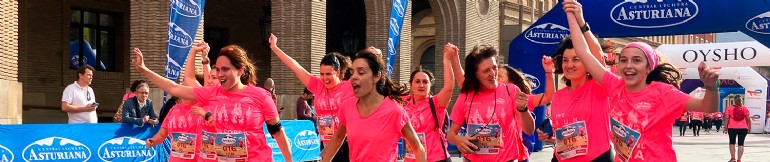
{"x":445,"y":127}
{"x":738,"y":113}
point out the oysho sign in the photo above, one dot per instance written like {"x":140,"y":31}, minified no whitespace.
{"x":56,"y":149}
{"x":736,"y":54}
{"x":759,"y":24}
{"x":653,"y":13}
{"x":125,"y":149}
{"x":547,"y":33}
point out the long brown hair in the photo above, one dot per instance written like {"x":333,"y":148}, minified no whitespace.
{"x":517,"y":78}
{"x":239,"y":58}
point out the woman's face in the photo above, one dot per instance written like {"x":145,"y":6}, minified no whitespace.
{"x":572,"y":66}
{"x":228,"y":75}
{"x":329,"y":76}
{"x":420,"y":85}
{"x":213,"y":81}
{"x":633,"y":67}
{"x":363,"y":78}
{"x":487,"y":73}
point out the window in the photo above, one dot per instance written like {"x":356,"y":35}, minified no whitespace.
{"x":217,"y":38}
{"x":92,"y":40}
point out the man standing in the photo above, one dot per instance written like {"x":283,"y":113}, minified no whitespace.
{"x":79,"y":100}
{"x":303,"y":108}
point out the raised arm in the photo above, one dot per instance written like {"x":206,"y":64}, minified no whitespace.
{"x":445,"y":95}
{"x":710,"y":100}
{"x":544,"y":98}
{"x":189,"y":68}
{"x":301,"y":73}
{"x":594,"y":67}
{"x":593,"y":43}
{"x":167,"y":85}
{"x":457,"y":69}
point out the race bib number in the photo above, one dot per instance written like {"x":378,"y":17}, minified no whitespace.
{"x":183,"y":145}
{"x":571,"y":140}
{"x":409,"y":152}
{"x":624,"y":139}
{"x":488,"y":138}
{"x":208,"y":150}
{"x":232,"y":147}
{"x":326,"y":127}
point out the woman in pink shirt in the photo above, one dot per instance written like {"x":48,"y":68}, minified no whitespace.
{"x":683,"y":122}
{"x":738,"y":124}
{"x":427,"y":112}
{"x":582,"y":105}
{"x":374,"y":121}
{"x":645,"y":101}
{"x":493,"y":118}
{"x":329,"y":90}
{"x":239,"y":110}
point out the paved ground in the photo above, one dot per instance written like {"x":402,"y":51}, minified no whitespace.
{"x":704,"y":148}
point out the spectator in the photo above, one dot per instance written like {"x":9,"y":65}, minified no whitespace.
{"x":138,"y":110}
{"x":119,"y":114}
{"x":270,"y":86}
{"x":303,"y":107}
{"x":79,"y":100}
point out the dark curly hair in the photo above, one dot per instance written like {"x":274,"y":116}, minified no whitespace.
{"x":384,"y":86}
{"x":478,"y":53}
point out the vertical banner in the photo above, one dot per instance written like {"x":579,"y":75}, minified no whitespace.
{"x":394,"y":35}
{"x":183,"y":20}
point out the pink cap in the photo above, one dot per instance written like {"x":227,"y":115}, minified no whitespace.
{"x":652,"y":56}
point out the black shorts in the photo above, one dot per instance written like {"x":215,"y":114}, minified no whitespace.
{"x":740,"y":134}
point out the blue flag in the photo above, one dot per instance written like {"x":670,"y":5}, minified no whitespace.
{"x":394,"y":35}
{"x":184,"y":18}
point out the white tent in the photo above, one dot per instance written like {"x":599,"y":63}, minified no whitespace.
{"x":735,"y":69}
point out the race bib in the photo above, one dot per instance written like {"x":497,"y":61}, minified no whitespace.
{"x":409,"y":152}
{"x":183,"y":145}
{"x":571,"y":140}
{"x":487,"y":138}
{"x":208,"y":150}
{"x":326,"y":127}
{"x":624,"y":139}
{"x":232,"y":147}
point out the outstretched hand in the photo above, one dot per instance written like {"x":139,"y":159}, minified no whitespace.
{"x":548,"y":64}
{"x":139,"y":61}
{"x":708,"y":75}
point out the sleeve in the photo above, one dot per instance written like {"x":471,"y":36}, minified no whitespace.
{"x":128,"y":109}
{"x":202,"y":94}
{"x":402,"y":119}
{"x":531,"y":103}
{"x":125,"y":96}
{"x":151,"y":110}
{"x":341,"y":112}
{"x":458,"y":112}
{"x":269,"y":110}
{"x":674,"y":101}
{"x":67,"y":95}
{"x":315,"y":84}
{"x":612,"y":83}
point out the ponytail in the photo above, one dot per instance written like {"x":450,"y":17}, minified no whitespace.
{"x":665,"y":73}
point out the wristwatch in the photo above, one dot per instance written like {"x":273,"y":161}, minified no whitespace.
{"x":585,"y":28}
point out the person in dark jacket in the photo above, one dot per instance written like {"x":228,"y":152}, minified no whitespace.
{"x":138,"y":110}
{"x":304,"y":112}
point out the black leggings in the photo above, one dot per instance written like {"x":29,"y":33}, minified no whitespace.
{"x":682,"y":127}
{"x":696,"y":125}
{"x":741,"y":133}
{"x":605,"y":157}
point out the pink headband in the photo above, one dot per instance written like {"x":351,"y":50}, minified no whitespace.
{"x":652,"y":56}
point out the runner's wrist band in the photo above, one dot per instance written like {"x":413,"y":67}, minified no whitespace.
{"x":585,"y":28}
{"x":207,"y":116}
{"x":713,"y":89}
{"x":525,"y":110}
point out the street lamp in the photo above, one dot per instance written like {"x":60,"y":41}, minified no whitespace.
{"x":350,"y":41}
{"x":265,"y":24}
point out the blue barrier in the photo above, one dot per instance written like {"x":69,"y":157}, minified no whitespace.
{"x":120,"y":142}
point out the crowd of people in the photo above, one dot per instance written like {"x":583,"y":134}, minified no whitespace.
{"x":620,"y":114}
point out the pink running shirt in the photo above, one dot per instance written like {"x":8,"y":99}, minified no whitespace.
{"x":697,"y":115}
{"x":736,"y":124}
{"x":641,"y":121}
{"x":327,"y":103}
{"x":423,"y":122}
{"x":374,"y":137}
{"x":239,"y":118}
{"x":185,"y":132}
{"x":587,"y":104}
{"x":475,"y":112}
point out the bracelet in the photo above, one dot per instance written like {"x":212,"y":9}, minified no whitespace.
{"x":585,"y":28}
{"x":525,"y":110}
{"x":205,"y":62}
{"x":207,"y":116}
{"x":713,"y":89}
